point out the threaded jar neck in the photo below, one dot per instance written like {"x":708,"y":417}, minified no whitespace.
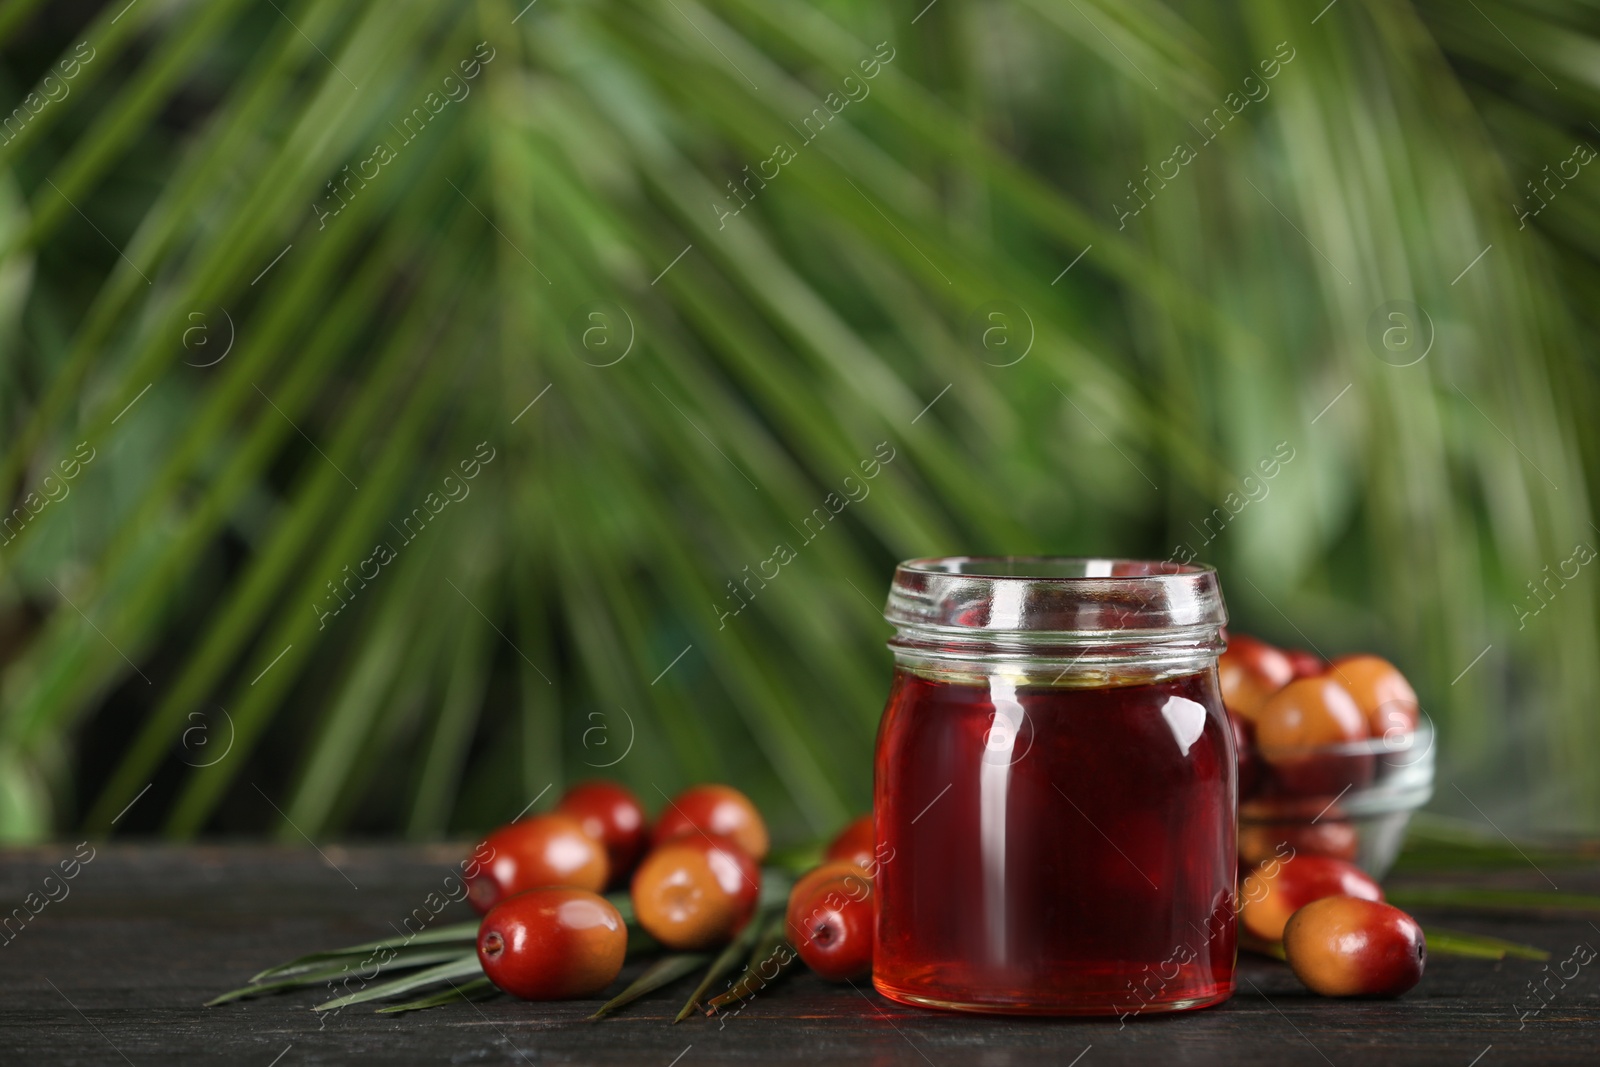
{"x":1055,"y":621}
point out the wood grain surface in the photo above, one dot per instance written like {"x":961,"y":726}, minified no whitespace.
{"x":115,"y":971}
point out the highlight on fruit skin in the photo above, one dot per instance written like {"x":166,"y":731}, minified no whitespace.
{"x":539,"y":851}
{"x":857,"y":843}
{"x":1276,"y":889}
{"x":696,"y":891}
{"x":1350,"y":947}
{"x":552,"y":944}
{"x":830,"y":920}
{"x":610,"y":813}
{"x":714,"y":809}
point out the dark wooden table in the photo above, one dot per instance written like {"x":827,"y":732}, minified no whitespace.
{"x":116,"y":970}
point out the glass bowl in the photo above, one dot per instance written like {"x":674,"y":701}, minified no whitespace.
{"x":1351,"y":801}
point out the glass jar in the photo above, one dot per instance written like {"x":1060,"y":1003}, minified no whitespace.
{"x":1055,"y":789}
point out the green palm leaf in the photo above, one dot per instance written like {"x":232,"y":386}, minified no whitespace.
{"x":606,"y":586}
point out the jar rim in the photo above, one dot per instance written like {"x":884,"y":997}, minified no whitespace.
{"x":1059,"y":596}
{"x":1070,"y":621}
{"x":1052,"y":568}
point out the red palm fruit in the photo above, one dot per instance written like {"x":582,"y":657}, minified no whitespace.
{"x":550,"y":944}
{"x":830,"y":916}
{"x":612,"y":815}
{"x":714,"y":809}
{"x":857,"y":843}
{"x":1349,"y":947}
{"x":1249,"y":672}
{"x":1307,"y":714}
{"x":696,"y":891}
{"x":1328,"y":836}
{"x":544,"y":850}
{"x":1277,"y":889}
{"x":1279,"y":826}
{"x":1305,"y":664}
{"x":1382,"y":693}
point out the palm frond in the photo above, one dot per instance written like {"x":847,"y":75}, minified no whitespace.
{"x":573,"y":182}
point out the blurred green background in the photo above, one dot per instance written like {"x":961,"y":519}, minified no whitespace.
{"x":392,"y":391}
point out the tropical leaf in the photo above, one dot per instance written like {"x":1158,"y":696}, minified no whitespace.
{"x":662,"y":972}
{"x":476,"y":989}
{"x":1435,"y":843}
{"x":451,"y":935}
{"x":770,"y":958}
{"x":1473,"y":898}
{"x":1443,"y":942}
{"x":465,"y":966}
{"x":725,"y":962}
{"x":334,"y":967}
{"x":271,"y":274}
